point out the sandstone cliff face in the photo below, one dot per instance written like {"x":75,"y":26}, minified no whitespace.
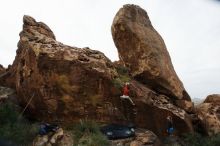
{"x":67,"y":84}
{"x":62,"y":82}
{"x":143,"y":50}
{"x":153,"y":109}
{"x":208,"y":114}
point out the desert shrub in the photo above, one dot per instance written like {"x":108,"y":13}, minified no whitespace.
{"x":15,"y":128}
{"x":122,"y":70}
{"x":214,"y":140}
{"x":199,"y":140}
{"x":122,"y":78}
{"x":117,"y":83}
{"x":87,"y":133}
{"x":194,"y":139}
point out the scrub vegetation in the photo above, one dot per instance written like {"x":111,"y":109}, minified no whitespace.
{"x":87,"y":133}
{"x":14,"y":128}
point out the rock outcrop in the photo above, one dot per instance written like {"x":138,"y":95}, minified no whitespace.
{"x":186,"y":105}
{"x":208,"y":113}
{"x":144,"y":52}
{"x":152,"y":110}
{"x":58,"y":138}
{"x":60,"y":82}
{"x":214,"y":98}
{"x":65,"y":84}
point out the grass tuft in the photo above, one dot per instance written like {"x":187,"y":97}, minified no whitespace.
{"x":199,"y":140}
{"x":87,"y":133}
{"x":15,"y":128}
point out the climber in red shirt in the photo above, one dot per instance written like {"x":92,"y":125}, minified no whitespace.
{"x":126,"y":90}
{"x":126,"y":93}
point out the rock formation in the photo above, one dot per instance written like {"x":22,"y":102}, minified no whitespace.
{"x":65,"y":84}
{"x":153,"y":109}
{"x":143,"y":51}
{"x":208,"y":114}
{"x":58,"y":138}
{"x":214,"y":98}
{"x":61,"y":82}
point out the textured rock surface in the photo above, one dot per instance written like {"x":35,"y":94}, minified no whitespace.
{"x":143,"y":137}
{"x":67,"y":139}
{"x":63,"y":82}
{"x":209,"y":114}
{"x":152,"y":110}
{"x":58,"y":138}
{"x":214,"y":98}
{"x":143,"y":50}
{"x":67,"y":84}
{"x":188,"y":106}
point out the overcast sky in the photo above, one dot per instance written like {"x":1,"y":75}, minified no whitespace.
{"x":190,"y":29}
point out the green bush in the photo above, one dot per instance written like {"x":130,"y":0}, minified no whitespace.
{"x":199,"y":140}
{"x":87,"y":133}
{"x":122,"y":70}
{"x":122,"y":78}
{"x":15,"y":128}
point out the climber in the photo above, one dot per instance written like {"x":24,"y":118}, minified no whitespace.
{"x":170,"y":128}
{"x":126,"y":93}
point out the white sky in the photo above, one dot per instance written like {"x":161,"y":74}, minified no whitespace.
{"x":190,"y":29}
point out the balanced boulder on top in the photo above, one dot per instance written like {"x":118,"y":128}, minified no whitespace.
{"x":144,"y":52}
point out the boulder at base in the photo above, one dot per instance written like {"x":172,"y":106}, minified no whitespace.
{"x":65,"y":84}
{"x":144,"y":52}
{"x":60,"y":82}
{"x":58,"y":138}
{"x":208,"y":114}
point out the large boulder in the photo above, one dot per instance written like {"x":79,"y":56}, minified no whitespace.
{"x":144,"y":52}
{"x":58,"y":138}
{"x":214,"y":98}
{"x":209,"y":114}
{"x":152,"y":110}
{"x":59,"y":82}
